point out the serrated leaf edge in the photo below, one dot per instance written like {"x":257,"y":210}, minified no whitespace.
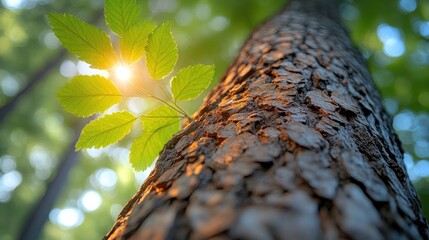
{"x":103,"y":54}
{"x":77,"y":148}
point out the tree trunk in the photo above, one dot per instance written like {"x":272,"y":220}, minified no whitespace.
{"x":40,"y":75}
{"x":292,"y":144}
{"x":37,"y":217}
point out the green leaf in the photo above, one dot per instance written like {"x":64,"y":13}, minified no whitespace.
{"x":159,"y":125}
{"x":106,"y":130}
{"x":191,"y":81}
{"x":89,"y":43}
{"x":87,"y":95}
{"x":161,"y":52}
{"x":121,"y":15}
{"x":133,"y":42}
{"x":160,"y":117}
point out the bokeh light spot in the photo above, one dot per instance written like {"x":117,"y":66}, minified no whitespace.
{"x":219,"y":23}
{"x":404,"y":121}
{"x":104,"y":178}
{"x":4,"y":196}
{"x":420,"y":170}
{"x":407,"y":5}
{"x":50,"y":40}
{"x":115,"y":209}
{"x":393,"y":45}
{"x":90,"y":201}
{"x":203,"y":11}
{"x":68,"y":69}
{"x":7,"y":163}
{"x":9,"y":85}
{"x":40,"y":158}
{"x":67,"y":218}
{"x":424,"y":28}
{"x":391,"y":105}
{"x":408,"y":160}
{"x":10,"y":181}
{"x":13,"y":4}
{"x":94,"y":152}
{"x":421,"y":148}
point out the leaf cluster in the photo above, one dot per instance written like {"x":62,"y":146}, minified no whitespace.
{"x":86,"y":95}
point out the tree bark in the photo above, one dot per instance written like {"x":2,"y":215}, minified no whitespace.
{"x":293,"y":143}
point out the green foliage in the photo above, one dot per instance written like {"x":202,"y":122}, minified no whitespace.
{"x":161,"y":52}
{"x":87,"y":95}
{"x":158,"y":127}
{"x":190,"y":82}
{"x":121,"y":15}
{"x":89,"y":43}
{"x":134,"y":41}
{"x":106,"y":130}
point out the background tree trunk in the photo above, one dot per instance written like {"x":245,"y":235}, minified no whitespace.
{"x":39,"y":76}
{"x":292,"y":144}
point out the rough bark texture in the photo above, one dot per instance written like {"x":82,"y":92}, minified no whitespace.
{"x":292,"y":144}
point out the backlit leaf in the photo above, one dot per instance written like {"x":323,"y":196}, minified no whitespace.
{"x":106,"y":130}
{"x":87,"y":95}
{"x":160,"y":117}
{"x":121,"y":15}
{"x":158,"y":127}
{"x":161,"y":52}
{"x":191,"y":81}
{"x":89,"y":43}
{"x":133,"y":42}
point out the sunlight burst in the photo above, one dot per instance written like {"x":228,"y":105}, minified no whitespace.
{"x":122,"y":73}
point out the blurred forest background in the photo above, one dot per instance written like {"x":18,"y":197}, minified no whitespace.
{"x":36,"y":135}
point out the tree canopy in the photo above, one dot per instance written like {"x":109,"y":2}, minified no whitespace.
{"x":36,"y":132}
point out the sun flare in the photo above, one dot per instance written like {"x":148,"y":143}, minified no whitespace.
{"x":122,"y":73}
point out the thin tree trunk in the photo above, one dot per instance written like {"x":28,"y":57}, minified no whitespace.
{"x":39,"y":76}
{"x":37,"y":217}
{"x":36,"y":78}
{"x":292,"y":144}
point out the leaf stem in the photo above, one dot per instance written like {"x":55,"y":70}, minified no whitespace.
{"x":174,"y":106}
{"x":168,"y":96}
